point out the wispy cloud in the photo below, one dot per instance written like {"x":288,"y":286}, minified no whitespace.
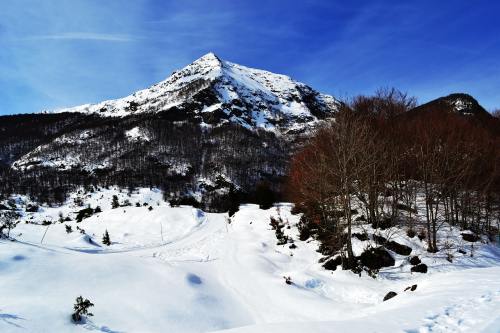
{"x":64,"y":53}
{"x":92,"y":36}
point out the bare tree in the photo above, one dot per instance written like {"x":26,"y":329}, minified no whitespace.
{"x":326,"y":173}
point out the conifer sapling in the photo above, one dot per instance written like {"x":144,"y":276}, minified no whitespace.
{"x":81,"y":309}
{"x":115,"y":203}
{"x":105,"y":239}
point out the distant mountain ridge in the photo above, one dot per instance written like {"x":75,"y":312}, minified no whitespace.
{"x":461,"y":104}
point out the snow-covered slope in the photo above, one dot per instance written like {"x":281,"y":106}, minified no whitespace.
{"x":215,"y":91}
{"x":182,"y":270}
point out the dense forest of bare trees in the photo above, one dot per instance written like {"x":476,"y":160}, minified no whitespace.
{"x":392,"y":164}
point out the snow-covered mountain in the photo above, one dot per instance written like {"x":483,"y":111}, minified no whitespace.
{"x":215,"y":91}
{"x":210,"y":125}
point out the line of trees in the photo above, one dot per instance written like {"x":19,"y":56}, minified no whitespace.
{"x":393,"y":164}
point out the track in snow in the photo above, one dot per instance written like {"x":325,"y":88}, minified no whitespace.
{"x":464,"y":315}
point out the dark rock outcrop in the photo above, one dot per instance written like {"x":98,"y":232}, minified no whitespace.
{"x":468,"y":237}
{"x":420,"y":268}
{"x":411,"y":288}
{"x":415,"y":260}
{"x":389,"y":295}
{"x":361,"y":236}
{"x":376,"y":258}
{"x":383,"y":224}
{"x":399,"y":248}
{"x":392,"y":245}
{"x":333,"y":263}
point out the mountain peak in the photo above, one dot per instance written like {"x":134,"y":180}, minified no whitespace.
{"x":210,"y":56}
{"x":214,"y":91}
{"x":208,"y":60}
{"x":461,"y":104}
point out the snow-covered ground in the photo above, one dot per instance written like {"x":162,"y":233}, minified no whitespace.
{"x":178,"y":269}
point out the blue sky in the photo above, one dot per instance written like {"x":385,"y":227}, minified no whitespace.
{"x":57,"y":53}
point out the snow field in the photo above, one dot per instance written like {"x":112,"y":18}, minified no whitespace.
{"x":178,"y":269}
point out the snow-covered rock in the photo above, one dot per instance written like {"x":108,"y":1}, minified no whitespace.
{"x":137,"y":134}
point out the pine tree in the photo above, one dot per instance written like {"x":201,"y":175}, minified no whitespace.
{"x":264,"y":196}
{"x":81,"y":308}
{"x":115,"y":203}
{"x":233,"y":201}
{"x":105,"y":239}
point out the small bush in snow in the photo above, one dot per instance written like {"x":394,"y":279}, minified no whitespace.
{"x":278,"y":225}
{"x":84,"y":213}
{"x":304,"y":229}
{"x":81,"y":309}
{"x":422,"y":234}
{"x":69,"y":229}
{"x":448,"y":248}
{"x":411,"y":232}
{"x":7,"y":223}
{"x":78,"y":201}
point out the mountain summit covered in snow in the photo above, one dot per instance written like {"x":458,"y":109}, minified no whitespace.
{"x":214,"y":91}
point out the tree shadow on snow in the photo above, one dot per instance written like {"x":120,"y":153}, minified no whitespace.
{"x":89,"y":325}
{"x":10,"y":318}
{"x":18,"y":258}
{"x":193,"y":279}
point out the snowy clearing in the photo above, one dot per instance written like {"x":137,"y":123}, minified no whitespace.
{"x":178,"y":269}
